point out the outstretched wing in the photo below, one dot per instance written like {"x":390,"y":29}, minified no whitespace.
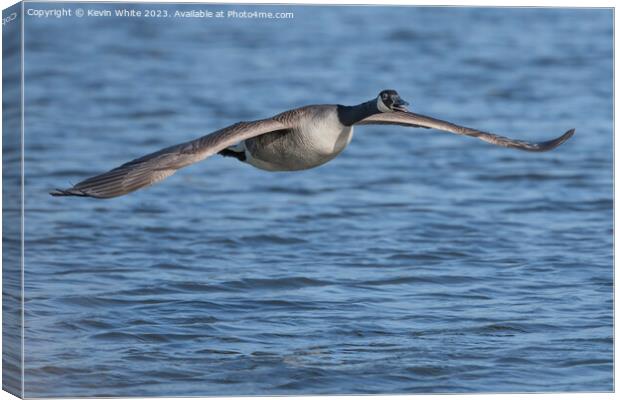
{"x":422,"y":121}
{"x":154,"y":167}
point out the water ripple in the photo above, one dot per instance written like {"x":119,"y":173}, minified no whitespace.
{"x":415,"y":262}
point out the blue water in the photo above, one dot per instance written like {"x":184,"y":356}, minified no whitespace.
{"x":416,"y":262}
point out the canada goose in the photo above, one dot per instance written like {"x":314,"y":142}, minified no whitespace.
{"x":297,"y":139}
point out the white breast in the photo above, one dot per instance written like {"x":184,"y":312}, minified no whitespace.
{"x":325,"y":136}
{"x":317,"y":138}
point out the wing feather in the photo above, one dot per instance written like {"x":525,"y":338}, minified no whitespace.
{"x":157,"y":166}
{"x":422,"y":121}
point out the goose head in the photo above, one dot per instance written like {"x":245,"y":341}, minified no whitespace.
{"x":389,"y":101}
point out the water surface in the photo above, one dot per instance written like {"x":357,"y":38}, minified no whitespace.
{"x":416,"y":262}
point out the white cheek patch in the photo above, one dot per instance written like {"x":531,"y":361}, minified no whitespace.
{"x":382,"y":107}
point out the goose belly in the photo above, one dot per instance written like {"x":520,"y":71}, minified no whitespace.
{"x":298,"y":149}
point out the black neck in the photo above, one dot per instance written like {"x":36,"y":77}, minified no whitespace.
{"x":349,"y":115}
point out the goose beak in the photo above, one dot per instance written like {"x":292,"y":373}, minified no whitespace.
{"x":400,"y":105}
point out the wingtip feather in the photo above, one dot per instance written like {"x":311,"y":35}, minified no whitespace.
{"x":551,"y":144}
{"x":69,"y":192}
{"x":567,"y":135}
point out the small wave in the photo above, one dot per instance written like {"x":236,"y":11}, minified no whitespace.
{"x":145,"y":291}
{"x":196,"y":320}
{"x":144,"y":337}
{"x":297,"y":190}
{"x":95,"y":302}
{"x":148,"y":209}
{"x":277,"y":283}
{"x":286,"y":304}
{"x":395,"y":281}
{"x":513,"y":360}
{"x":588,"y":361}
{"x":116,"y":336}
{"x":408,"y":35}
{"x":217,"y":351}
{"x":171,"y":375}
{"x":201,"y":287}
{"x":531,"y":176}
{"x":224,"y":241}
{"x":342,"y":214}
{"x":500,"y":329}
{"x":96,"y":324}
{"x":60,"y":371}
{"x":157,"y":229}
{"x":61,"y":239}
{"x":590,"y":205}
{"x":92,"y":270}
{"x":403,"y":35}
{"x":455,"y":296}
{"x":271,"y":239}
{"x":168,"y":266}
{"x":66,"y":173}
{"x":416,"y":257}
{"x":442,"y":279}
{"x":428,"y":370}
{"x":74,"y":225}
{"x":146,"y":114}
